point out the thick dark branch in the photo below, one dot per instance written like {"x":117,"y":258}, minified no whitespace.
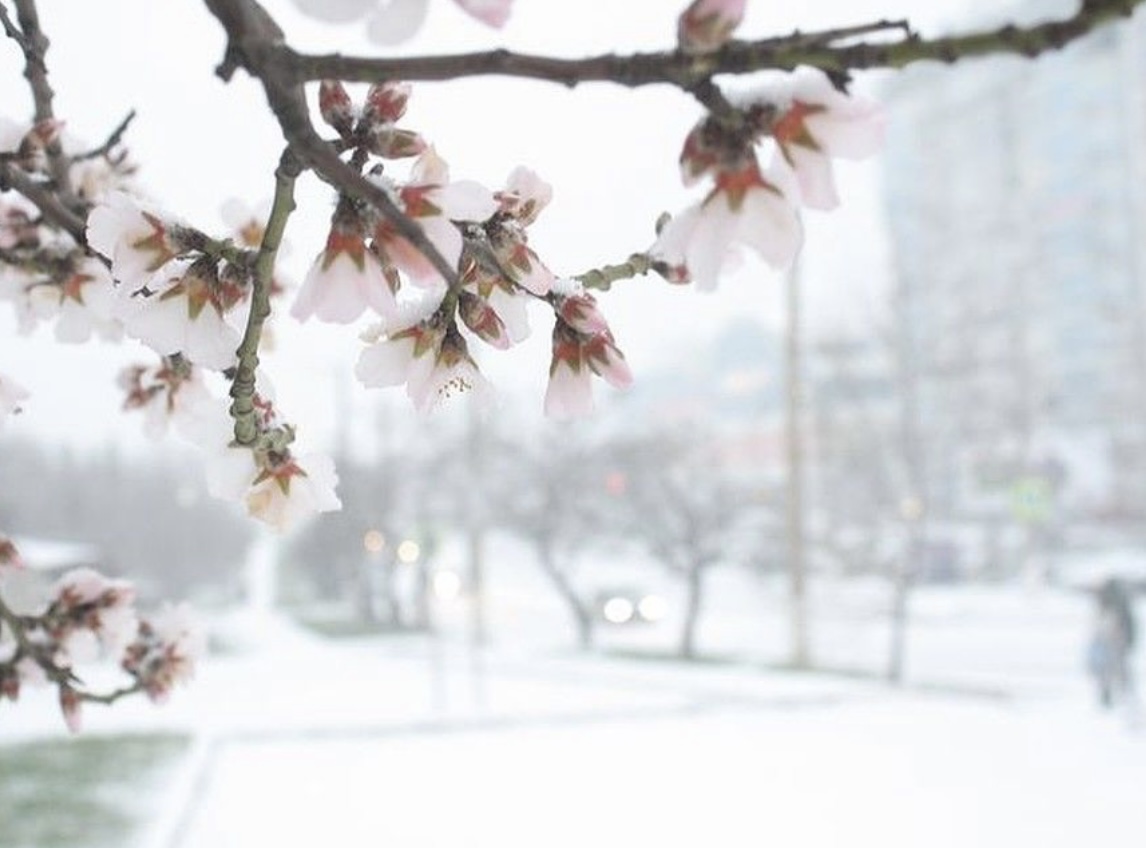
{"x":834,"y":50}
{"x":255,"y":43}
{"x":35,"y":46}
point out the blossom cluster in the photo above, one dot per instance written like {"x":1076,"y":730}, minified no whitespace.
{"x":45,"y":275}
{"x":426,"y":320}
{"x":145,"y":275}
{"x":445,"y":268}
{"x":807,"y":117}
{"x":87,"y":617}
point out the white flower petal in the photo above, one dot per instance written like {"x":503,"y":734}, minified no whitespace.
{"x":465,"y":200}
{"x":335,"y":11}
{"x":569,"y":393}
{"x":385,"y":363}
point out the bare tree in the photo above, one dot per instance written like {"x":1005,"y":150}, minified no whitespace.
{"x":555,"y":501}
{"x":685,"y":510}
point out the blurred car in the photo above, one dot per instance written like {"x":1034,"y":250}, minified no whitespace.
{"x":629,"y":605}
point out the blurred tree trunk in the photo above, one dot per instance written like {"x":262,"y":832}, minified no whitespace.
{"x":582,"y":613}
{"x":694,"y":599}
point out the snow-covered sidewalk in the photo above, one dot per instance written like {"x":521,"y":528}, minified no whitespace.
{"x":418,"y":741}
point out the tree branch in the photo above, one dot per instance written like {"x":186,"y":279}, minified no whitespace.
{"x":243,"y":384}
{"x":49,"y":204}
{"x":834,"y":49}
{"x":35,"y":47}
{"x":112,"y":140}
{"x":255,"y":43}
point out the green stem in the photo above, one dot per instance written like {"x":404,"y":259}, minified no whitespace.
{"x":603,"y":278}
{"x":243,"y":384}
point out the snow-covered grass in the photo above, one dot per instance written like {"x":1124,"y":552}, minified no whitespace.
{"x":81,"y":792}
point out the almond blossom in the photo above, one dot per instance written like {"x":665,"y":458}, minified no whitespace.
{"x":89,"y":616}
{"x":185,"y":311}
{"x":166,"y":650}
{"x":11,"y":393}
{"x":524,"y":197}
{"x":274,"y":487}
{"x":434,"y":203}
{"x":482,"y":319}
{"x":745,"y":209}
{"x":577,"y":355}
{"x":492,"y":12}
{"x":138,"y":242}
{"x":498,"y":293}
{"x":427,"y":354}
{"x":171,"y":394}
{"x":80,"y":305}
{"x":86,"y":604}
{"x":395,"y":21}
{"x":815,"y":122}
{"x":346,"y":279}
{"x":707,"y":24}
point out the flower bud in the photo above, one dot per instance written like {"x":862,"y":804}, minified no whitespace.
{"x":335,"y":107}
{"x":386,"y":102}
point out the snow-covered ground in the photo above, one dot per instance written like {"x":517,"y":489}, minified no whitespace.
{"x":994,"y":741}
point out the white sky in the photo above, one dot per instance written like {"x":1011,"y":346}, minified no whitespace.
{"x":610,"y":154}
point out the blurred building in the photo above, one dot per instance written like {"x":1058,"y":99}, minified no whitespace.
{"x":1015,"y":193}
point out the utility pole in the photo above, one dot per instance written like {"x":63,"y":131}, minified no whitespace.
{"x":913,"y":506}
{"x":475,"y":533}
{"x":797,"y":565}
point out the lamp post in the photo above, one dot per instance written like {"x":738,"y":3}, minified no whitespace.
{"x":797,"y":565}
{"x":911,"y":511}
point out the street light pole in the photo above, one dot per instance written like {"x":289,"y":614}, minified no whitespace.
{"x":797,"y":565}
{"x":475,"y":532}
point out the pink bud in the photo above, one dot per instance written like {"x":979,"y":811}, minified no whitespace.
{"x":391,"y":143}
{"x":480,"y":317}
{"x":707,"y":24}
{"x":386,"y":102}
{"x":607,"y":361}
{"x":580,"y":312}
{"x":335,"y":107}
{"x":70,"y":707}
{"x":8,"y":553}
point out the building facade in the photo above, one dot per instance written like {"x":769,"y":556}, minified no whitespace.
{"x":1015,"y":194}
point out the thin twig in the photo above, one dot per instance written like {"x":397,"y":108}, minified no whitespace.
{"x":820,"y":49}
{"x":11,"y":30}
{"x":45,"y":199}
{"x":112,"y":140}
{"x":603,"y":278}
{"x":109,"y":697}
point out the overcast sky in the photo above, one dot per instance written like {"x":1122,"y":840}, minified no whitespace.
{"x":610,"y":154}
